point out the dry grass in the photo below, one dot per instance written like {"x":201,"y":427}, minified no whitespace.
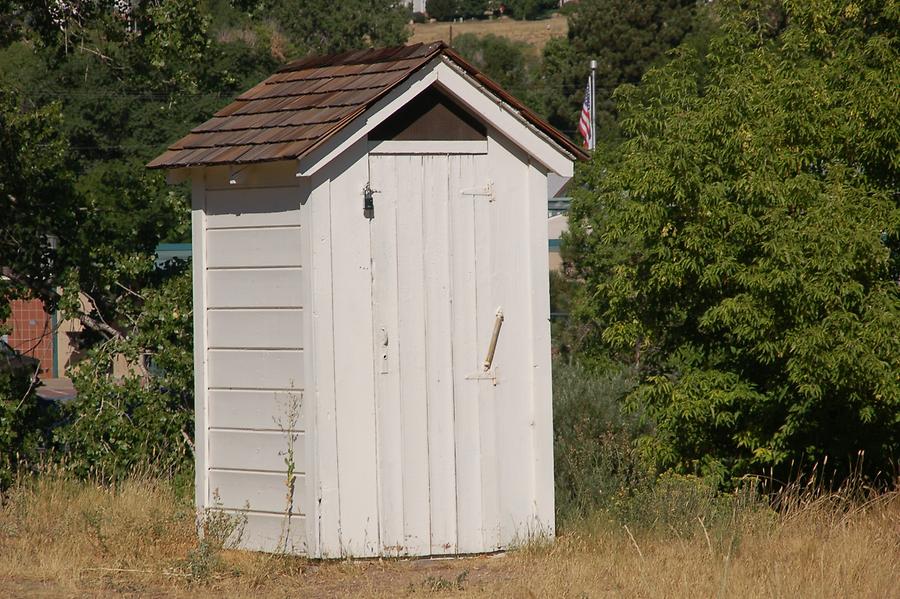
{"x":60,"y":538}
{"x":534,"y":33}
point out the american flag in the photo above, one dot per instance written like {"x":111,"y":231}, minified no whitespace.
{"x":587,"y":113}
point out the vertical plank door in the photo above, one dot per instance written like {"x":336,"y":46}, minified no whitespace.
{"x":433,"y":311}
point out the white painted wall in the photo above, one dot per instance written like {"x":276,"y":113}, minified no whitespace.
{"x":249,"y":324}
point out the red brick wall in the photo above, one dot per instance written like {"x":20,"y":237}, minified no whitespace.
{"x":32,"y":332}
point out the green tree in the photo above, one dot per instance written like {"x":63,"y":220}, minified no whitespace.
{"x":625,"y":37}
{"x":529,"y":9}
{"x":86,"y":98}
{"x":441,"y":10}
{"x":116,"y":422}
{"x":326,"y":27}
{"x":445,"y":10}
{"x":143,"y":419}
{"x":472,"y":9}
{"x":35,"y":183}
{"x":89,"y":92}
{"x":510,"y":63}
{"x":562,"y":79}
{"x":37,"y":198}
{"x":125,"y":85}
{"x":743,"y":250}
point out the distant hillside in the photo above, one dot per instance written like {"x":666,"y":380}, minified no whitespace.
{"x":534,"y":33}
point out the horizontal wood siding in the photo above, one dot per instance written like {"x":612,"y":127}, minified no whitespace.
{"x":263,"y":247}
{"x":263,"y":207}
{"x":269,"y":329}
{"x":254,"y":288}
{"x":271,"y":532}
{"x":255,"y":369}
{"x":254,"y":352}
{"x":255,"y":410}
{"x":254,"y":450}
{"x":256,"y":491}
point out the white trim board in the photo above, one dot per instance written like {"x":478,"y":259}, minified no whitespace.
{"x":201,"y":410}
{"x":486,"y":106}
{"x":391,"y":146}
{"x":503,"y":118}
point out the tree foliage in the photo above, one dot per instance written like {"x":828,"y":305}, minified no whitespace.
{"x":743,"y":250}
{"x":445,"y":10}
{"x":508,"y":62}
{"x":37,"y":198}
{"x":143,"y":419}
{"x":90,"y":90}
{"x":325,"y":27}
{"x":625,"y":37}
{"x":529,"y":9}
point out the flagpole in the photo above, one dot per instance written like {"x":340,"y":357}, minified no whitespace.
{"x":593,"y":143}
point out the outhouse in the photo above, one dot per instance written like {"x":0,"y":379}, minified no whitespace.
{"x":372,"y":345}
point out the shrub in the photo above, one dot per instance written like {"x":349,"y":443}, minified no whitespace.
{"x":596,"y":460}
{"x":570,"y":334}
{"x":508,"y":62}
{"x":442,"y":10}
{"x":529,"y":9}
{"x":25,"y":422}
{"x":144,"y":418}
{"x":750,"y":246}
{"x":445,"y":10}
{"x":472,"y":9}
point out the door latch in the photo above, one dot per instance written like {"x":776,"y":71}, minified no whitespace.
{"x":383,"y":342}
{"x":369,"y":201}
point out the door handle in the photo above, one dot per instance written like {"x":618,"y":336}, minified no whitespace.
{"x":489,"y":358}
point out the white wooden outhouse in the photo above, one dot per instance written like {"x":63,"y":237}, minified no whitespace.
{"x":366,"y":227}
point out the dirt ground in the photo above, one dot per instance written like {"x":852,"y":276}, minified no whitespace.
{"x":310,"y":580}
{"x":534,"y":33}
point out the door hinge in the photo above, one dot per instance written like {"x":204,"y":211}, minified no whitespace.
{"x":485,"y":192}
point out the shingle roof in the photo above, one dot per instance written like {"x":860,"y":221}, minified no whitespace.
{"x":309,"y":100}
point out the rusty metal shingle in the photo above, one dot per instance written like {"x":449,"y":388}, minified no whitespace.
{"x":309,"y":100}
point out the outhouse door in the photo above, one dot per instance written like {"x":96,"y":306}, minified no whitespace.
{"x":433,"y":317}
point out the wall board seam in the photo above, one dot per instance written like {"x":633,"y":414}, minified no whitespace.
{"x":227,"y":469}
{"x":253,"y":268}
{"x":288,"y":389}
{"x":233,"y":348}
{"x":251,"y":512}
{"x":249,"y":187}
{"x":249,"y":227}
{"x":253,"y":389}
{"x":255,"y":309}
{"x":254,"y":431}
{"x":246,"y":308}
{"x":255,"y":227}
{"x":337,"y":459}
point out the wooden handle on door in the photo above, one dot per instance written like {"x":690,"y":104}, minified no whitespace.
{"x":498,"y":322}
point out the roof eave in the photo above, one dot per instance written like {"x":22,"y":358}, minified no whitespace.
{"x":536,"y":121}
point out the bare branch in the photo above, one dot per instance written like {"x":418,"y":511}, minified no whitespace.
{"x":132,"y":292}
{"x":101,"y":327}
{"x":31,"y":384}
